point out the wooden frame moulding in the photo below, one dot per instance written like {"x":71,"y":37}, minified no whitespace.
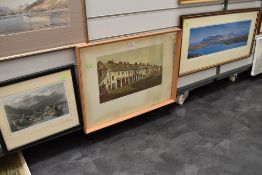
{"x":140,"y":111}
{"x":259,"y":31}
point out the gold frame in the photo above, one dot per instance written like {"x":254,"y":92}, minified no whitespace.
{"x":140,"y":111}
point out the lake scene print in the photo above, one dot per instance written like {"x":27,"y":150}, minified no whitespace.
{"x":18,"y":16}
{"x":217,"y":38}
{"x":33,"y":107}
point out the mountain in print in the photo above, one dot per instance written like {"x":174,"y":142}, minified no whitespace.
{"x":4,"y":11}
{"x":35,"y":106}
{"x":218,"y":38}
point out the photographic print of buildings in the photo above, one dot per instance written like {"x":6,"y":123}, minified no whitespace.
{"x":28,"y":15}
{"x":217,"y":38}
{"x":128,"y":72}
{"x":36,"y":106}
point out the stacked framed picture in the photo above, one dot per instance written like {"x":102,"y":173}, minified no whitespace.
{"x":260,"y":22}
{"x":14,"y":164}
{"x":38,"y":107}
{"x":257,"y":62}
{"x":216,"y":38}
{"x":124,"y":77}
{"x":34,"y":26}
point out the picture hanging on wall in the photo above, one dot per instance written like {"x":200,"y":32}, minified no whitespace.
{"x":25,"y":22}
{"x":260,"y":22}
{"x":38,"y":106}
{"x":257,"y":61}
{"x":212,"y":39}
{"x":124,"y":77}
{"x":196,"y":1}
{"x":14,"y":164}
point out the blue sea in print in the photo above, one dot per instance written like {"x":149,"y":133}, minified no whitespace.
{"x":217,"y":38}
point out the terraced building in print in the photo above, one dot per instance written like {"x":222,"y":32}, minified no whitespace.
{"x":120,"y":76}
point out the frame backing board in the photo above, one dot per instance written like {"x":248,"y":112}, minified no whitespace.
{"x":97,"y":114}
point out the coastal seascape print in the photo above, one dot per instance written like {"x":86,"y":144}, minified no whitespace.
{"x":217,"y":38}
{"x":124,"y":73}
{"x":33,"y":107}
{"x":18,"y":16}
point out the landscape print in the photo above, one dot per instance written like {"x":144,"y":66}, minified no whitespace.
{"x":32,"y":107}
{"x":124,"y":73}
{"x":217,"y":38}
{"x":28,"y":15}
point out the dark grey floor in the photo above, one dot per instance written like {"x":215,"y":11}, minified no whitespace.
{"x":217,"y":132}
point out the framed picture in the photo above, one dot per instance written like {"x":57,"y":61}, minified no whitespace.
{"x":14,"y":165}
{"x":33,"y":26}
{"x":35,"y":107}
{"x":124,"y":77}
{"x":257,"y":61}
{"x":196,"y":1}
{"x":212,"y":39}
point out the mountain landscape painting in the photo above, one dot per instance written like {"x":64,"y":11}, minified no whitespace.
{"x":18,"y":16}
{"x":32,"y":107}
{"x":217,"y":38}
{"x":128,"y":72}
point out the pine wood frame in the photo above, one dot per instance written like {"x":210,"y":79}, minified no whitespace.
{"x":140,"y":111}
{"x":196,"y":1}
{"x":183,"y":17}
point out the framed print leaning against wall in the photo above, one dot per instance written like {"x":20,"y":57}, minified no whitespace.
{"x":38,"y":106}
{"x":257,"y":61}
{"x":212,"y":39}
{"x":28,"y":26}
{"x":14,"y":164}
{"x":124,"y":77}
